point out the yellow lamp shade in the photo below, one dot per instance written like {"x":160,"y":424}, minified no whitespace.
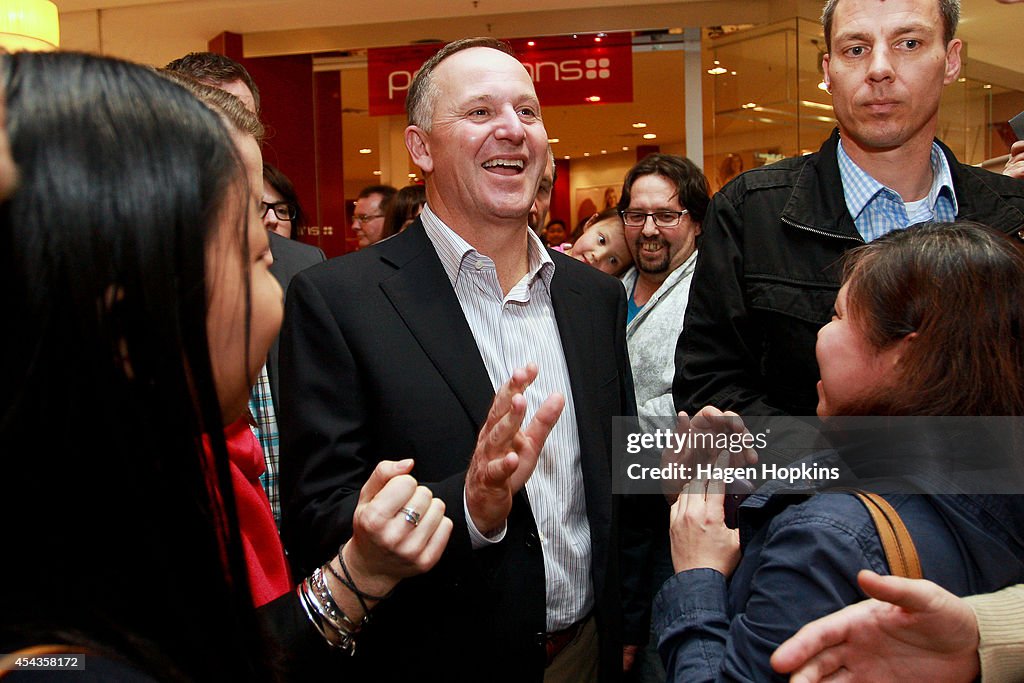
{"x":29,"y":25}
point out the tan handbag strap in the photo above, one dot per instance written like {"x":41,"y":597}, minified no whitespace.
{"x":899,"y":548}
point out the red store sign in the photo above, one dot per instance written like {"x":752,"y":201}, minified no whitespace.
{"x":587,"y":69}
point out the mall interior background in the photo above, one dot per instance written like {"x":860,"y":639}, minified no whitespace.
{"x":733,"y":85}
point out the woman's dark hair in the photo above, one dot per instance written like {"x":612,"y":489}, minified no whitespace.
{"x":122,"y":535}
{"x":960,"y":288}
{"x":403,"y":207}
{"x":280,"y":182}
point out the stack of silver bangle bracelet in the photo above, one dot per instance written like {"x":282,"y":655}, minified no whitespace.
{"x":329,"y":619}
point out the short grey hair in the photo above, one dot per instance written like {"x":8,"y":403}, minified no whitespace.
{"x":949,"y":9}
{"x":423,"y":93}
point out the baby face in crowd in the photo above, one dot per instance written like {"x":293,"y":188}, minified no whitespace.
{"x":603,"y":245}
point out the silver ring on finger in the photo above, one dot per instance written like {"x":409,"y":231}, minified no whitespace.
{"x":411,"y":516}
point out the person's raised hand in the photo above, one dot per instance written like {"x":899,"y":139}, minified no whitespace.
{"x":697,"y":530}
{"x":910,"y":629}
{"x":1015,"y":164}
{"x":506,"y":453}
{"x":399,"y":529}
{"x":703,"y":435}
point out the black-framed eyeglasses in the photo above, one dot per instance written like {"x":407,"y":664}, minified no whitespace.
{"x":662,"y":219}
{"x":283,"y":210}
{"x":366,"y":217}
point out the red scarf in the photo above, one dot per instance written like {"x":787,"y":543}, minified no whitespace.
{"x":264,"y":555}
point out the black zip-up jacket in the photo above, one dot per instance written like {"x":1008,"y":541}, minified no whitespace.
{"x":768,"y":273}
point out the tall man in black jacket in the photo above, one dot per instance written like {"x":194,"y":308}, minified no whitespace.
{"x":398,"y":350}
{"x":769,"y":268}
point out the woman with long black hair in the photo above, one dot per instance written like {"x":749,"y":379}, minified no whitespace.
{"x":135,"y":280}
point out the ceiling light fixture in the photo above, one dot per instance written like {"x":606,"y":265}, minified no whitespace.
{"x":650,"y":136}
{"x":29,"y":25}
{"x":816,"y":105}
{"x":365,"y":150}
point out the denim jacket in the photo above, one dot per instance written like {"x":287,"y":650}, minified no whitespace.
{"x":800,"y":561}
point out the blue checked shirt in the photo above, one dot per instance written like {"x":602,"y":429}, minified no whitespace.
{"x":261,"y":404}
{"x":878,"y":210}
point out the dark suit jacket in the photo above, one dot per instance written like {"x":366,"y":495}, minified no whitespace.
{"x":379,"y":363}
{"x":290,"y":257}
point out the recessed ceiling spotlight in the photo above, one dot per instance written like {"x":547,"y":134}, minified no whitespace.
{"x":586,"y":154}
{"x":717,"y":71}
{"x":552,"y":141}
{"x":639,"y":124}
{"x":366,"y":150}
{"x":593,"y":98}
{"x":650,"y":136}
{"x":377,"y":173}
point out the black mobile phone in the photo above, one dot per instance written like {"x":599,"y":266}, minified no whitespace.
{"x":1017,"y":123}
{"x":735,"y":494}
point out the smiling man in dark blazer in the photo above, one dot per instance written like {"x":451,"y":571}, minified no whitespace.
{"x":493,"y":362}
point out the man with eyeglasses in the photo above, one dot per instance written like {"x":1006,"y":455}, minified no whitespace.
{"x":368,"y":216}
{"x":663,"y":201}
